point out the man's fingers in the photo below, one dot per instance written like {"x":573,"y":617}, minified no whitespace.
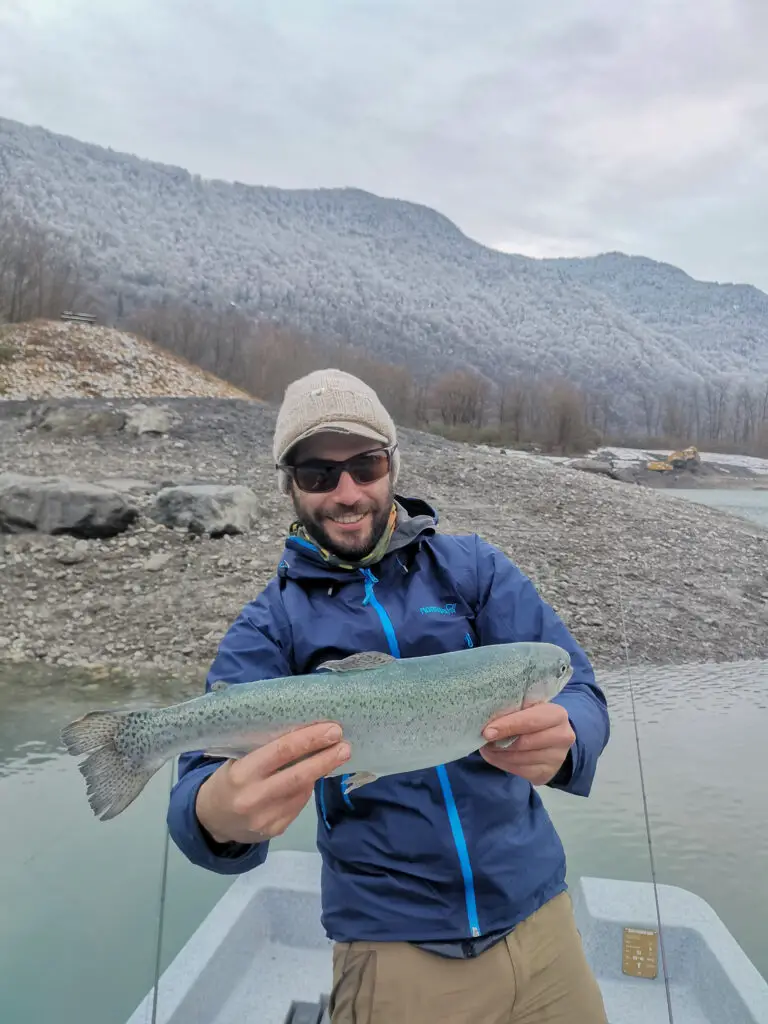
{"x":299,"y":744}
{"x":292,"y":747}
{"x":532,"y":719}
{"x":511,"y":759}
{"x":282,"y":825}
{"x":505,"y":742}
{"x":265,"y":820}
{"x":555,"y":737}
{"x":526,"y":769}
{"x":299,"y":778}
{"x":285,"y":792}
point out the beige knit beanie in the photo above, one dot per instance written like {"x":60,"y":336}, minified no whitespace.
{"x":330,"y":400}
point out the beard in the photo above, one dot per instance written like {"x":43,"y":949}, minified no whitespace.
{"x":354,"y":547}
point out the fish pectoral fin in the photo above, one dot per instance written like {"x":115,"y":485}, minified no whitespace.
{"x":504,"y":744}
{"x":219,"y":685}
{"x":356,"y":780}
{"x":224,"y":752}
{"x":358,"y":662}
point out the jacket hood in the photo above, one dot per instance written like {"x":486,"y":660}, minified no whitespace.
{"x":416,"y":519}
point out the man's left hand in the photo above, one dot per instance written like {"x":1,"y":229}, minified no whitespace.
{"x":544,"y":738}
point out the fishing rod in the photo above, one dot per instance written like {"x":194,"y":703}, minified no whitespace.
{"x":625,"y":641}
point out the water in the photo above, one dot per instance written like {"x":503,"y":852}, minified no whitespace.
{"x":752,"y":505}
{"x":80,"y":899}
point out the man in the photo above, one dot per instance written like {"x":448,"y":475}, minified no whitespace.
{"x":443,"y":890}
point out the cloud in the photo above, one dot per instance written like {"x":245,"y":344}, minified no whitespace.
{"x":548,"y":129}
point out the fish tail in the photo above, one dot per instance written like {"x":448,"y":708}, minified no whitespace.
{"x":113,"y":777}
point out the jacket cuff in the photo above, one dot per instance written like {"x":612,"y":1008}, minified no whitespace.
{"x":195,"y":842}
{"x":564,"y":774}
{"x":589,"y":722}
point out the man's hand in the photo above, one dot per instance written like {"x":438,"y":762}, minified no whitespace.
{"x":544,"y":738}
{"x":258,"y":796}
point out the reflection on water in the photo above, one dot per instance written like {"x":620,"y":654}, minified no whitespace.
{"x":81,"y":897}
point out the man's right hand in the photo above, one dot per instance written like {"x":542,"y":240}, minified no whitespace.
{"x":256,"y":797}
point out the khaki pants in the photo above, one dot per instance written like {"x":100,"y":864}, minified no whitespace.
{"x":538,"y":974}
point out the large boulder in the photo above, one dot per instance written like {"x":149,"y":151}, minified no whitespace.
{"x":629,"y":473}
{"x":601,"y":466}
{"x":151,"y":419}
{"x":75,"y":421}
{"x":81,"y":420}
{"x":213,"y":509}
{"x":62,"y":505}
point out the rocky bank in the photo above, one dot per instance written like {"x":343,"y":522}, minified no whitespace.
{"x":687,"y":582}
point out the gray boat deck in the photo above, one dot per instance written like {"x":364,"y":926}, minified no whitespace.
{"x":262,"y":947}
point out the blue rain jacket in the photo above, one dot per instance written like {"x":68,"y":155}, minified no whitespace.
{"x":444,"y":854}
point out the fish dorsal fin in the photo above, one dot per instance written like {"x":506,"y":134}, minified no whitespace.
{"x":219,"y":685}
{"x":358,"y":662}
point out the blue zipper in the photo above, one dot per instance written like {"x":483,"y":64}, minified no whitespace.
{"x":322,"y":804}
{"x":386,"y":622}
{"x":461,"y":847}
{"x":445,"y":783}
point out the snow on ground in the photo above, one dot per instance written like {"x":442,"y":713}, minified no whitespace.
{"x":515,"y":453}
{"x":633,"y":455}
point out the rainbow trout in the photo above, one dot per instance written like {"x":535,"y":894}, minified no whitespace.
{"x":398,"y":715}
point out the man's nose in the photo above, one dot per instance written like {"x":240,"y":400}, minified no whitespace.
{"x":347,"y":491}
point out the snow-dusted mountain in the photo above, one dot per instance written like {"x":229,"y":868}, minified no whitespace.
{"x":727,"y":324}
{"x":396,"y":278}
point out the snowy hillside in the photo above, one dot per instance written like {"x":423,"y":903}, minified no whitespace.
{"x":725,"y":323}
{"x":395,"y":278}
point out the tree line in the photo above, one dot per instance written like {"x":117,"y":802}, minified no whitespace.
{"x":523,"y":410}
{"x":41,"y":276}
{"x":40,"y":271}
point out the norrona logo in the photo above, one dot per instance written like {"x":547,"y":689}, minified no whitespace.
{"x":448,"y":609}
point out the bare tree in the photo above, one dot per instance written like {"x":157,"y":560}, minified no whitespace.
{"x":649,"y":402}
{"x":39,"y":274}
{"x":514,"y":401}
{"x":565,"y":428}
{"x":460,"y":397}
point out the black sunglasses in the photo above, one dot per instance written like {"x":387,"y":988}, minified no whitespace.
{"x":322,"y":475}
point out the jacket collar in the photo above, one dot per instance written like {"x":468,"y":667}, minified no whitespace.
{"x":417,"y":519}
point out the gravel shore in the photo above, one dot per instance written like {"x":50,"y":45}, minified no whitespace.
{"x":687,"y":583}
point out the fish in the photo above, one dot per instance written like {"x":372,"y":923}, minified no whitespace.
{"x":398,"y":715}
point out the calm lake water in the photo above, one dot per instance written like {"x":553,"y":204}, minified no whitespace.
{"x":80,"y":899}
{"x":751,"y":505}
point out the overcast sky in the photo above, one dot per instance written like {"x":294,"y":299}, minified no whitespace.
{"x":565,"y":127}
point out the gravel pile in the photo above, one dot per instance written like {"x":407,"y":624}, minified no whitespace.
{"x":689,"y":583}
{"x":52,"y":359}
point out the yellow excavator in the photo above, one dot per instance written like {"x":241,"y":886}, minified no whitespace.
{"x":687,"y":458}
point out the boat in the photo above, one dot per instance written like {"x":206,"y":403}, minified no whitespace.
{"x":261,"y":955}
